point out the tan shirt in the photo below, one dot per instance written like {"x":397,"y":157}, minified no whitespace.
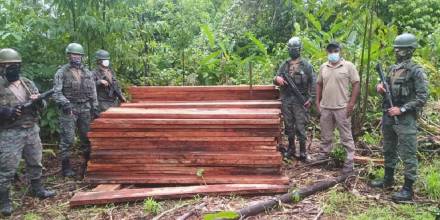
{"x":336,"y":82}
{"x":19,"y":90}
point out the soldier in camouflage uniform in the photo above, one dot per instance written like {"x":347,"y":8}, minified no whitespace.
{"x":75,"y":94}
{"x":409,"y":89}
{"x":107,"y":86}
{"x":295,"y":113}
{"x":19,"y":131}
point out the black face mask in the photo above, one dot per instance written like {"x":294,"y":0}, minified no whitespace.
{"x":294,"y":53}
{"x":12,"y":73}
{"x":403,"y":54}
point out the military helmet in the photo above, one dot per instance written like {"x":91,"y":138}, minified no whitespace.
{"x":405,"y":40}
{"x":294,"y":42}
{"x":75,"y":49}
{"x":102,"y":55}
{"x":8,"y":55}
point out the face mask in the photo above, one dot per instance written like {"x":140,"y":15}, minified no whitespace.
{"x":403,"y":54}
{"x":105,"y":63}
{"x":334,"y":57}
{"x":294,"y":53}
{"x":12,"y":73}
{"x":75,"y":61}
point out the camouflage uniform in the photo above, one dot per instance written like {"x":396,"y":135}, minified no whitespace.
{"x":409,"y":91}
{"x":19,"y":137}
{"x":80,"y":94}
{"x":105,"y":99}
{"x":295,"y":115}
{"x":408,"y":85}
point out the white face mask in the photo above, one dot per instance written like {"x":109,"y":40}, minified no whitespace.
{"x":105,"y":63}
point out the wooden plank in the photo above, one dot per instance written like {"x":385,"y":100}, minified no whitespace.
{"x":205,"y":104}
{"x":108,"y":146}
{"x":193,"y":139}
{"x":136,"y":154}
{"x":117,"y":171}
{"x":129,"y":195}
{"x":181,"y":146}
{"x":192,"y":161}
{"x":195,"y":133}
{"x":367,"y":160}
{"x":155,"y":169}
{"x":186,"y":179}
{"x":185,"y":123}
{"x":192,"y":113}
{"x":106,"y":187}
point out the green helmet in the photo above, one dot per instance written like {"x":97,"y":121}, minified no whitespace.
{"x":102,"y":55}
{"x":294,"y":42}
{"x":405,"y":40}
{"x":75,"y":49}
{"x":8,"y":55}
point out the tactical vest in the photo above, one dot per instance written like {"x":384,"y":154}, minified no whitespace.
{"x":301,"y":76}
{"x":401,"y":83}
{"x":77,"y":91}
{"x":29,"y":116}
{"x":102,"y":91}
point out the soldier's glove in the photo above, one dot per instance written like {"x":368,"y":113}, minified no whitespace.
{"x":67,"y":109}
{"x":16,"y":112}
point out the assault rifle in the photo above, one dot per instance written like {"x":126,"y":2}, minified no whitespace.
{"x":388,"y":95}
{"x":31,"y":102}
{"x":114,"y":90}
{"x":42,"y":96}
{"x":294,"y":88}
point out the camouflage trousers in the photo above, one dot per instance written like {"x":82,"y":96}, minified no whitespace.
{"x":296,"y":118}
{"x":400,"y":141}
{"x":79,"y":120}
{"x":16,"y":143}
{"x":105,"y":104}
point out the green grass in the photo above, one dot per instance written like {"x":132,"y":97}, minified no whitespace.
{"x":32,"y":216}
{"x":429,"y":180}
{"x":338,"y":154}
{"x":344,"y":205}
{"x":151,"y":206}
{"x":375,"y":173}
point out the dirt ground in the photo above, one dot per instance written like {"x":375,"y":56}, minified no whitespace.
{"x":300,"y":174}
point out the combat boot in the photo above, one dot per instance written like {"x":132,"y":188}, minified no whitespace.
{"x":37,"y":190}
{"x":406,"y":193}
{"x":5,"y":203}
{"x":387,"y":182}
{"x":66,"y":168}
{"x":291,"y":149}
{"x":86,"y":157}
{"x":302,"y":151}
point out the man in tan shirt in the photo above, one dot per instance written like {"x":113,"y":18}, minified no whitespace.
{"x":335,"y":103}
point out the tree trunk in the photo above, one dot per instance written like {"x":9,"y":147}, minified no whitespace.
{"x":367,"y":80}
{"x":294,"y":197}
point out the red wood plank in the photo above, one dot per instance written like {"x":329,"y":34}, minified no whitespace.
{"x":194,"y":139}
{"x":186,"y":179}
{"x":185,"y":123}
{"x":128,"y":195}
{"x":192,"y":113}
{"x":205,"y":104}
{"x":106,"y":187}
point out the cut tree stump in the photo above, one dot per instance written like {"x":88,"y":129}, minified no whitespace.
{"x":130,"y":195}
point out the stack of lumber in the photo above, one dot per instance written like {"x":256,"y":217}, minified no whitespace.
{"x":189,"y":135}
